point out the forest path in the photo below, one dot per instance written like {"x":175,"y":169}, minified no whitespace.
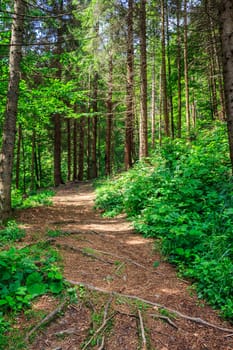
{"x":106,"y":254}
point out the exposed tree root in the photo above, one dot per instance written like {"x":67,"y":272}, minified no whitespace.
{"x":133,"y":297}
{"x":84,"y":252}
{"x":103,"y":325}
{"x":47,"y":319}
{"x":165,"y":318}
{"x":144,"y":343}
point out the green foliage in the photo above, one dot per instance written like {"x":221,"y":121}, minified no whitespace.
{"x":25,"y":274}
{"x":184,"y":197}
{"x":32,"y":200}
{"x":11,"y":233}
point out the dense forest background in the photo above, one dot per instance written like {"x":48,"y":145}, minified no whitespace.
{"x":101,"y":84}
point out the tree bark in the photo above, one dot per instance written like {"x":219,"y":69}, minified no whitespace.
{"x":57,"y":149}
{"x":186,"y":68}
{"x":18,"y":156}
{"x":108,"y":152}
{"x":94,"y":170}
{"x":179,"y":108}
{"x":129,"y":89}
{"x":226,"y":31}
{"x":81,"y":148}
{"x":164,"y":73}
{"x":143,"y":132}
{"x":9,"y":128}
{"x":75,"y":171}
{"x":68,"y":149}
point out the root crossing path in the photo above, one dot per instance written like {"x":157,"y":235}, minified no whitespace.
{"x":128,"y":297}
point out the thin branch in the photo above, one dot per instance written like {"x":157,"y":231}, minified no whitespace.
{"x":104,"y":324}
{"x":165,"y":318}
{"x":144,"y":344}
{"x":133,"y":297}
{"x":47,"y":319}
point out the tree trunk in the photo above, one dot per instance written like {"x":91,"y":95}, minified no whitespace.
{"x":68,"y":149}
{"x":143,"y":132}
{"x":108,"y":153}
{"x":95,"y":127}
{"x":75,"y":171}
{"x":81,"y":148}
{"x":163,"y":73}
{"x":153,"y":96}
{"x":9,"y":128}
{"x":186,"y":68}
{"x":32,"y":186}
{"x":179,"y":108}
{"x":129,"y":89}
{"x":18,"y":154}
{"x":57,"y":150}
{"x":226,"y":31}
{"x":169,"y":76}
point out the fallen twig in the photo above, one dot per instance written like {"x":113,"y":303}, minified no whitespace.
{"x":144,"y":344}
{"x":47,"y":319}
{"x":165,"y":318}
{"x":98,"y":331}
{"x":133,"y":297}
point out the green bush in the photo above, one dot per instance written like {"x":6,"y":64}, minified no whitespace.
{"x":184,"y":197}
{"x":11,"y":233}
{"x":25,"y":274}
{"x":33,"y":199}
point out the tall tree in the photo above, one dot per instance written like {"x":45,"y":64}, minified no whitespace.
{"x":164,"y":99}
{"x":178,"y":33}
{"x":143,"y":132}
{"x":225,"y":8}
{"x":109,"y":119}
{"x":186,"y":68}
{"x":9,"y":129}
{"x":129,"y":120}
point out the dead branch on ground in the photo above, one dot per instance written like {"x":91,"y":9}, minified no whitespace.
{"x":144,"y":344}
{"x":165,"y":318}
{"x":47,"y":319}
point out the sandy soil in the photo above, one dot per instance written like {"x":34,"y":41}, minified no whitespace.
{"x":106,"y":254}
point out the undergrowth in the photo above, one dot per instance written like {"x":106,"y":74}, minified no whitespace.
{"x":183,"y":195}
{"x":25,"y":274}
{"x":33,"y":199}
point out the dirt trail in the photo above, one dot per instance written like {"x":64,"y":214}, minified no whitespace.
{"x":107,"y":254}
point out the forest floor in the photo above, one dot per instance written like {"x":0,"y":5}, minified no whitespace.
{"x":129,"y":297}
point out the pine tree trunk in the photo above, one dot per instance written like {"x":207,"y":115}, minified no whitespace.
{"x":57,"y":149}
{"x":169,"y":76}
{"x":164,"y":73}
{"x":143,"y":132}
{"x":108,"y":153}
{"x":179,"y":108}
{"x":75,"y":171}
{"x":186,"y":68}
{"x":153,"y":96}
{"x":81,"y":148}
{"x":226,"y":31}
{"x":129,"y":89}
{"x":18,"y":156}
{"x":68,"y":149}
{"x":95,"y":127}
{"x":9,"y":128}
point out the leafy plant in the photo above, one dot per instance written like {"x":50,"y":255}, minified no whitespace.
{"x":11,"y":233}
{"x":25,"y":274}
{"x":184,"y":199}
{"x":34,"y":199}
